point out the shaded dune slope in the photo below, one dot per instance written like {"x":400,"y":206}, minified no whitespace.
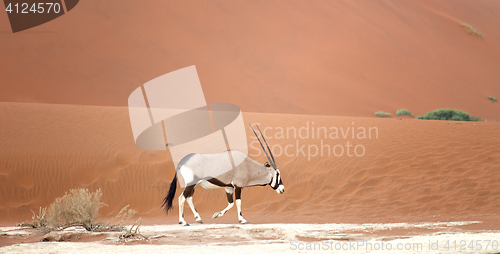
{"x":414,"y":170}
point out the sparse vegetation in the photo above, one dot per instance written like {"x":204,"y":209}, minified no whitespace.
{"x":450,"y":115}
{"x":404,"y":112}
{"x":37,"y":220}
{"x":491,"y":98}
{"x":80,"y":207}
{"x":124,"y":215}
{"x":471,"y":30}
{"x":383,"y":114}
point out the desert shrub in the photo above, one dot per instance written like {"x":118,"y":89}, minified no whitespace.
{"x":78,"y":208}
{"x":491,"y":98}
{"x":383,"y":114}
{"x":471,"y":30}
{"x":118,"y":222}
{"x":449,"y":114}
{"x":404,"y":112}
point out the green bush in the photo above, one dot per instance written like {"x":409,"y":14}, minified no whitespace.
{"x":449,"y":114}
{"x":491,"y":98}
{"x":471,"y":30}
{"x":404,"y":112}
{"x":383,"y":114}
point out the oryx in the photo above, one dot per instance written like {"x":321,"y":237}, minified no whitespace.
{"x":248,"y":173}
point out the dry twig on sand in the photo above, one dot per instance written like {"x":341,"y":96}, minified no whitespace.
{"x":133,"y":233}
{"x":37,"y":220}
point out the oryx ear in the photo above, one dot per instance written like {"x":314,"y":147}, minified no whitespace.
{"x":267,"y":165}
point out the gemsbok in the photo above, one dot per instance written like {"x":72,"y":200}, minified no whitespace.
{"x":248,"y":173}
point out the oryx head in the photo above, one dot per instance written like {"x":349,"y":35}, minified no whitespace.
{"x":276,"y":182}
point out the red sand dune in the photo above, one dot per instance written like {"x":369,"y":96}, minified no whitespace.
{"x":337,"y":58}
{"x":415,"y":170}
{"x":303,"y":57}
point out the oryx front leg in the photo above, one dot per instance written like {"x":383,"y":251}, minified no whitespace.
{"x":229,"y":194}
{"x":238,"y":206}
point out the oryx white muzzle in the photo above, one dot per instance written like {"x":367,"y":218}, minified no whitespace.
{"x":280,"y":189}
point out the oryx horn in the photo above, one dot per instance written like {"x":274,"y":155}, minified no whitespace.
{"x":270,"y":158}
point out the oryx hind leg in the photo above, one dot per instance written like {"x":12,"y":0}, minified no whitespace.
{"x":186,"y":195}
{"x":229,"y":194}
{"x":189,"y":199}
{"x":181,"y":210}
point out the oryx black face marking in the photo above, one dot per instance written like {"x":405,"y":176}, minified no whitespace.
{"x":248,"y":173}
{"x":276,"y":181}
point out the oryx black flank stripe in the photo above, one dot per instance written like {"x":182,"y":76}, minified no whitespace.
{"x":219,"y":183}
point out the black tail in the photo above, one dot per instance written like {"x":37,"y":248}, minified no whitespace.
{"x":167,"y":201}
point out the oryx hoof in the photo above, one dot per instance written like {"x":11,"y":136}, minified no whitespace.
{"x":183,"y":223}
{"x":217,"y":215}
{"x":199,"y":221}
{"x":243,"y":221}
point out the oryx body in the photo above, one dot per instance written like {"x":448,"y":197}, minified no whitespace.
{"x":194,"y":167}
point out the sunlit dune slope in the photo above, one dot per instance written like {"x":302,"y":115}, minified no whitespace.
{"x":339,"y":57}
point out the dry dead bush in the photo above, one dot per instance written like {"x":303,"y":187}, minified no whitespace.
{"x":118,"y":222}
{"x":78,"y":208}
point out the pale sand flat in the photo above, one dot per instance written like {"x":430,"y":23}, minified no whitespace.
{"x":280,"y":238}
